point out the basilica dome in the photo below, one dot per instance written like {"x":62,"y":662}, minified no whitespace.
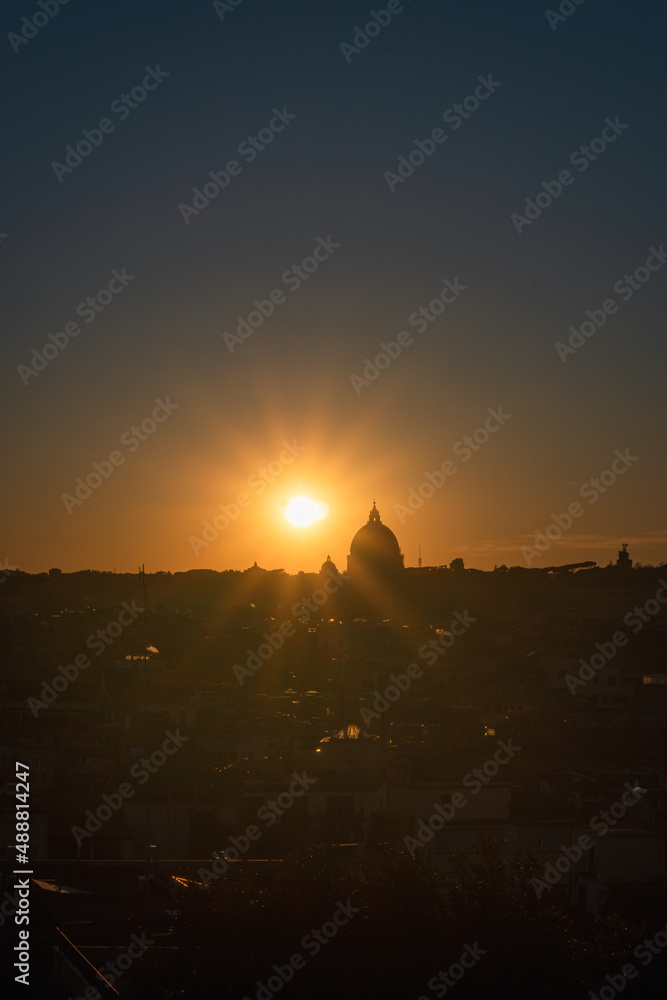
{"x":375,"y":548}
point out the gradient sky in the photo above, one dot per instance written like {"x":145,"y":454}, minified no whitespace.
{"x":324,"y":176}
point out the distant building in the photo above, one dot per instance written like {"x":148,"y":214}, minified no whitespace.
{"x":624,"y":561}
{"x":328,"y":568}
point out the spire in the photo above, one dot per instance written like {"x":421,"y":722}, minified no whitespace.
{"x":374,"y":515}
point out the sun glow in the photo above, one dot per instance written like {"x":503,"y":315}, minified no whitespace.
{"x":302,"y":511}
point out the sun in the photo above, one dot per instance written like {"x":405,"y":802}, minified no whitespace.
{"x":302,"y":511}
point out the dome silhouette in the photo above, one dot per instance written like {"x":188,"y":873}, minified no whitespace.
{"x":375,"y":549}
{"x":328,"y":567}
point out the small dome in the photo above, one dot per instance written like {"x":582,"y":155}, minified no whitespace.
{"x":328,"y":567}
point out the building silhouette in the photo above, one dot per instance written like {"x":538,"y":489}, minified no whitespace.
{"x":624,"y":561}
{"x":374,"y":551}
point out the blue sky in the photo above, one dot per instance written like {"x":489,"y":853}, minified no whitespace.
{"x":323,"y":177}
